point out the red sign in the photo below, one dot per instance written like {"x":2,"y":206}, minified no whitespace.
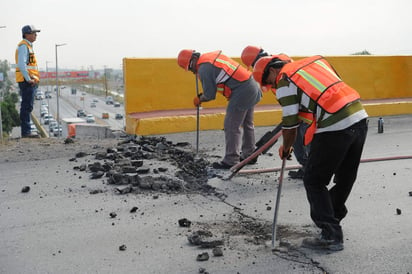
{"x":70,"y":74}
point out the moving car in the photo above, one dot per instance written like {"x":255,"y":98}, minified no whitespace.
{"x":52,"y":124}
{"x":57,"y":131}
{"x":109,"y":100}
{"x":118,"y":116}
{"x":47,"y":118}
{"x":81,"y":113}
{"x":43,"y":112}
{"x":90,"y":118}
{"x":92,"y":104}
{"x":116,"y":104}
{"x":39,"y":95}
{"x":33,"y":129}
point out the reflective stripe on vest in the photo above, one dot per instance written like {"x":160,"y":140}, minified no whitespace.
{"x":317,"y":78}
{"x":231,"y":68}
{"x":31,"y":65}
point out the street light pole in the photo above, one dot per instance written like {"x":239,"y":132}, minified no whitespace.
{"x":1,"y":99}
{"x":58,"y":91}
{"x":48,"y":90}
{"x":47,"y":76}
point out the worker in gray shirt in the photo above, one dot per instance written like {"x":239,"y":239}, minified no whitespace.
{"x":219,"y":73}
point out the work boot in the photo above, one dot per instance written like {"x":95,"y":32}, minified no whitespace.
{"x":322,"y":243}
{"x":296,"y":174}
{"x":221,"y":165}
{"x":251,"y":162}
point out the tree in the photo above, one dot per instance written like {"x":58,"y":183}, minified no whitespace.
{"x":6,"y":84}
{"x":9,"y":114}
{"x":363,"y":52}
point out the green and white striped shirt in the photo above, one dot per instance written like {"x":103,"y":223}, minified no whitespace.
{"x":293,"y":99}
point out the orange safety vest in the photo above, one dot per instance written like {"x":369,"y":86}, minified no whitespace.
{"x":31,"y":65}
{"x":318,"y":79}
{"x":232,"y":69}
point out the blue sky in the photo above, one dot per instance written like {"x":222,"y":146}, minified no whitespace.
{"x":101,"y":33}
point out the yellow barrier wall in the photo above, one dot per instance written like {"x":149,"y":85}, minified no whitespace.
{"x":160,"y":84}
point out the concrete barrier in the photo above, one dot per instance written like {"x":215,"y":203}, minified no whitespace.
{"x":158,"y":93}
{"x":93,"y":130}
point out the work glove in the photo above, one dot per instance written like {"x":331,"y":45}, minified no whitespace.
{"x":285,"y":154}
{"x":196,"y":100}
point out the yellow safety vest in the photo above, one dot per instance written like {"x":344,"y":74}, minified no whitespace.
{"x":31,"y":65}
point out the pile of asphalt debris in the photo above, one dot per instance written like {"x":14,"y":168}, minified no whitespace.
{"x":154,"y":164}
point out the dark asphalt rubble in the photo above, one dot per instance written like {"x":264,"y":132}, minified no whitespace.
{"x":128,"y":166}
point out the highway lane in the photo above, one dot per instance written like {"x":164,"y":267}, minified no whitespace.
{"x":70,"y":103}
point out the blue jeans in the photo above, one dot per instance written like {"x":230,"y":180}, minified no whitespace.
{"x":333,"y":154}
{"x":27,"y":92}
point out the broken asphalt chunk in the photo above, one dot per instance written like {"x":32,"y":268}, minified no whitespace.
{"x":204,"y":239}
{"x":97,"y":175}
{"x":202,"y":257}
{"x":143,"y":170}
{"x":95,"y":191}
{"x":124,"y":190}
{"x":81,"y":154}
{"x":25,"y":189}
{"x":184,"y":222}
{"x":217,"y":252}
{"x":68,"y":141}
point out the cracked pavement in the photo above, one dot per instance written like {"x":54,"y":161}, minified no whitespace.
{"x":68,"y":222}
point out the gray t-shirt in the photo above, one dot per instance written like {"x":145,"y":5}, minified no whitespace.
{"x":244,"y":94}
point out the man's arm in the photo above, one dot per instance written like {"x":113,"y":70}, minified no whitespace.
{"x":289,"y":137}
{"x":208,"y":78}
{"x":23,"y":54}
{"x":288,"y":99}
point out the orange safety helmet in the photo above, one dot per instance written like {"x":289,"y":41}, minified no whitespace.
{"x":260,"y":67}
{"x":249,"y":55}
{"x":184,"y":57}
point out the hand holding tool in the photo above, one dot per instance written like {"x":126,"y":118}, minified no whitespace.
{"x":283,"y":154}
{"x":196,"y":101}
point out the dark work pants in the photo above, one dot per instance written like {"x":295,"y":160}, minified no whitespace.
{"x":335,"y":153}
{"x":27,"y":92}
{"x":299,"y":149}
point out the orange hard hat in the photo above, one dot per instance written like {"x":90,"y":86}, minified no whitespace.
{"x":249,"y":55}
{"x":260,"y":68}
{"x":183,"y":59}
{"x":284,"y":57}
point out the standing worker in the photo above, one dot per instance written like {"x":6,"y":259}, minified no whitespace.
{"x":338,"y":130}
{"x":219,"y":73}
{"x":27,"y":76}
{"x":250,"y":55}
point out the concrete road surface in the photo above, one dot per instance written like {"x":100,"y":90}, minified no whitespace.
{"x":60,"y":227}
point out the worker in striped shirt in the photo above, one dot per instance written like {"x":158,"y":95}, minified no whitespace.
{"x":311,"y":90}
